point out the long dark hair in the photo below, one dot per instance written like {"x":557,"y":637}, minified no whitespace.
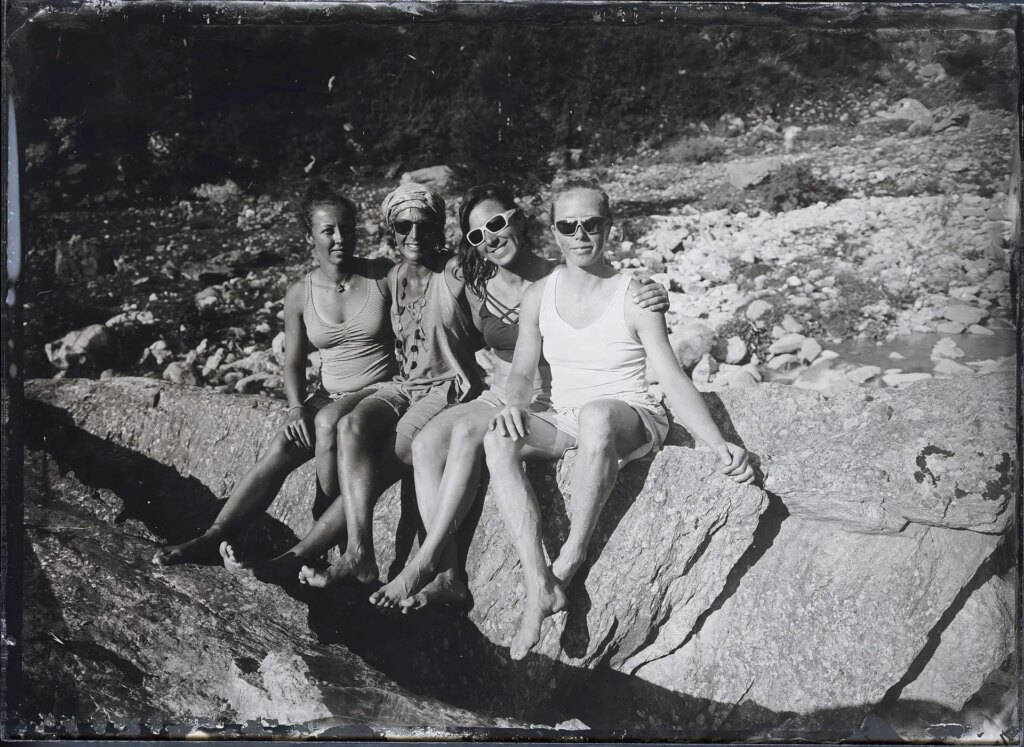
{"x":318,"y":194}
{"x":472,"y":267}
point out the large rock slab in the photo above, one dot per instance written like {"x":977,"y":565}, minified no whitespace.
{"x":671,"y":531}
{"x":702,"y":609}
{"x":874,"y":460}
{"x":827,"y":622}
{"x":112,"y":639}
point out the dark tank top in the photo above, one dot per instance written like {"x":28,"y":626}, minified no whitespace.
{"x":500,"y":331}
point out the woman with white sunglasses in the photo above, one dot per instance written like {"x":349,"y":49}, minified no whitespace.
{"x":497,"y":263}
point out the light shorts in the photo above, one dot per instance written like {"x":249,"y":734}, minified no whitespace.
{"x":320,"y":397}
{"x":496,"y":395}
{"x":415,"y":406}
{"x":653,"y":418}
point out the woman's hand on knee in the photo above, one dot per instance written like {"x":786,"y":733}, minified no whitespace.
{"x":297,"y":427}
{"x":511,"y":421}
{"x":735,"y":462}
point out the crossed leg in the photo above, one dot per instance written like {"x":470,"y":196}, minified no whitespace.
{"x":609,"y":429}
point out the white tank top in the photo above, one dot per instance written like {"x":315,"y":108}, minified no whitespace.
{"x":604,"y":360}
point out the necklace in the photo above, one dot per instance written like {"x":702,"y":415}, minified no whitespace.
{"x":410,"y":313}
{"x":339,"y":285}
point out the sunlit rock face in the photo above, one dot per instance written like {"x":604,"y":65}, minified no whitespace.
{"x":861,"y":581}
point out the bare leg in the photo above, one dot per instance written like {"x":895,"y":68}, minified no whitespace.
{"x":257,"y":490}
{"x":252,"y":495}
{"x":447,"y":464}
{"x":518,"y":506}
{"x":366,"y":466}
{"x":608,"y":429}
{"x":326,"y":424}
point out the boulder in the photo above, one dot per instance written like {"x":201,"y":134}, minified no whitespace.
{"x":810,"y":349}
{"x":790,"y":342}
{"x":826,"y":583}
{"x":148,"y":648}
{"x":743,"y":174}
{"x":899,"y":379}
{"x":436,"y":177}
{"x":910,"y":111}
{"x":963,"y":314}
{"x":862,"y":374}
{"x":757,"y":309}
{"x":947,"y":367}
{"x":986,"y":625}
{"x":706,"y":605}
{"x":946,"y":348}
{"x":736,"y":350}
{"x":694,"y":530}
{"x":91,"y":348}
{"x":691,"y":341}
{"x":179,"y":372}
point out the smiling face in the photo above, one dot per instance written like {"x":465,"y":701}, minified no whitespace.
{"x":332,"y":234}
{"x":581,"y":249}
{"x":500,"y":247}
{"x":417,"y":235}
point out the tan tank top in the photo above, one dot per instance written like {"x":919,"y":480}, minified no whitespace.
{"x":435,"y":340}
{"x":359,"y":351}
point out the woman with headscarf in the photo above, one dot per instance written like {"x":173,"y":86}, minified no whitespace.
{"x":435,"y":342}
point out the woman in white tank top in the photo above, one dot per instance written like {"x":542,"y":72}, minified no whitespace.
{"x":598,"y":344}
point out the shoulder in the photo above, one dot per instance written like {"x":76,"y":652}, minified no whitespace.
{"x":535,"y":293}
{"x":295,"y":296}
{"x":455,"y":280}
{"x":635,"y":286}
{"x":475,"y":300}
{"x":451,"y":265}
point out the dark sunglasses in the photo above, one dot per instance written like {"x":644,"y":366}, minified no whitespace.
{"x":404,"y":227}
{"x":498,"y":223}
{"x":592,"y":225}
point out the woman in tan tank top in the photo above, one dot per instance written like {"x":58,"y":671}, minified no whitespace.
{"x":343,"y":293}
{"x":434,"y":345}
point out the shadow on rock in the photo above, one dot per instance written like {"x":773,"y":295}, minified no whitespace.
{"x":172,"y":507}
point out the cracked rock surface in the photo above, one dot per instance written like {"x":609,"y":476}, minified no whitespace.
{"x":850,"y":587}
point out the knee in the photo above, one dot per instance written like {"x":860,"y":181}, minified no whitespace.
{"x":351,"y":430}
{"x":404,"y":449}
{"x":326,"y":428}
{"x":499,"y":450}
{"x":596,"y":430}
{"x":467,"y":433}
{"x":424,"y":448}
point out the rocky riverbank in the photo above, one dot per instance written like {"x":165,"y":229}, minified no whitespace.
{"x":778,"y":242}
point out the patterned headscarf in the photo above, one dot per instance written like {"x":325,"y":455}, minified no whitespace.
{"x":412,"y":195}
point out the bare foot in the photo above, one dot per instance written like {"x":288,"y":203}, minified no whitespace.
{"x":362,"y":568}
{"x":550,"y":600}
{"x":281,"y":570}
{"x":446,"y":588}
{"x":200,"y":548}
{"x":232,"y":561}
{"x":412,"y":578}
{"x":566,"y":564}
